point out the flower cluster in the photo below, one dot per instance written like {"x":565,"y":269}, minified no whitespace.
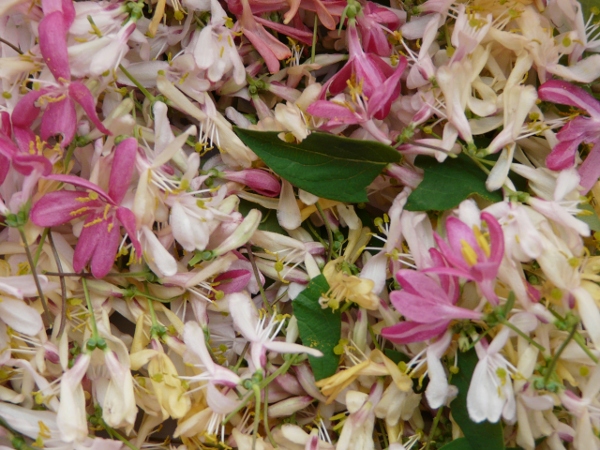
{"x":300,"y":224}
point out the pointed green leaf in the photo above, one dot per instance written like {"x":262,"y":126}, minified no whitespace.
{"x":319,"y":328}
{"x":458,"y":444}
{"x":481,"y":436}
{"x":325,"y":165}
{"x":447,"y":184}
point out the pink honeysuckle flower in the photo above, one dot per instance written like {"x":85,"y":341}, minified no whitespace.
{"x":100,"y":237}
{"x":60,"y":117}
{"x":376,"y":79}
{"x":470,"y":255}
{"x":373,"y":22}
{"x":578,"y":130}
{"x":428,"y":305}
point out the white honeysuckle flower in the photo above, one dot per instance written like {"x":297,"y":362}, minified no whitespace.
{"x":261,"y":332}
{"x":491,"y":393}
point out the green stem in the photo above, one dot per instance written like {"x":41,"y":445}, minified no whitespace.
{"x":116,"y":434}
{"x":256,"y":390}
{"x":266,"y":419}
{"x":68,"y":156}
{"x":581,"y":342}
{"x":313,"y":50}
{"x":137,"y":84}
{"x":63,"y":288}
{"x":266,"y":303}
{"x":434,"y":426}
{"x":479,"y":164}
{"x":88,"y":301}
{"x":40,"y":248}
{"x":540,"y":347}
{"x":329,"y":233}
{"x":238,"y":408}
{"x":34,"y":273}
{"x":281,"y":370}
{"x":554,"y":361}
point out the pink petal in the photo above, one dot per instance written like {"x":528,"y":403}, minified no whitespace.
{"x":86,"y":245}
{"x":127,"y":219}
{"x":233,"y":281}
{"x":558,"y":91}
{"x":409,"y":332}
{"x":258,"y":180}
{"x":60,"y":118}
{"x":53,"y":45}
{"x":78,"y":181}
{"x":417,"y":283}
{"x":82,"y":95}
{"x":496,"y":239}
{"x":563,"y":155}
{"x":337,"y":114}
{"x":4,"y":167}
{"x":58,"y":207}
{"x":103,"y":257}
{"x":589,"y":171}
{"x":26,"y":164}
{"x":425,"y":309}
{"x":122,"y":169}
{"x":26,"y":111}
{"x":381,"y":100}
{"x":7,"y":148}
{"x":300,"y":35}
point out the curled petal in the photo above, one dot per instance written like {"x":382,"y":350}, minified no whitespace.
{"x":82,"y":95}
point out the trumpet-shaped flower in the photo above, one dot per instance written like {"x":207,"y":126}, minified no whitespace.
{"x":260,"y":333}
{"x":472,"y":254}
{"x":100,"y":238}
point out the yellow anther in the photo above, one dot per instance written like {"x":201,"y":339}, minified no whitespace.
{"x":482,"y":241}
{"x":93,"y":222}
{"x":468,"y":253}
{"x":76,"y":212}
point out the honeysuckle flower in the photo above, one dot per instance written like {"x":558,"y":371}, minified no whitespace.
{"x":346,"y":287}
{"x":41,"y":426}
{"x":261,"y":332}
{"x":358,"y":428}
{"x":194,"y":337}
{"x":577,"y":130}
{"x":471,"y":254}
{"x":585,"y":408}
{"x":71,"y":415}
{"x":215,"y":50}
{"x":491,"y":392}
{"x":100,"y":237}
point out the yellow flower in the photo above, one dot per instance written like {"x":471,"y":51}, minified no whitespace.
{"x":343,"y":286}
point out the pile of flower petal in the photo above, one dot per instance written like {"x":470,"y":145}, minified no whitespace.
{"x":299,"y":224}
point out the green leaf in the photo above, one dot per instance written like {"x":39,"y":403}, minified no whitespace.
{"x":458,"y":444}
{"x":447,"y":184}
{"x":325,"y":165}
{"x":590,"y":217}
{"x":481,"y":436}
{"x":586,"y":7}
{"x":319,"y":328}
{"x":396,"y":356}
